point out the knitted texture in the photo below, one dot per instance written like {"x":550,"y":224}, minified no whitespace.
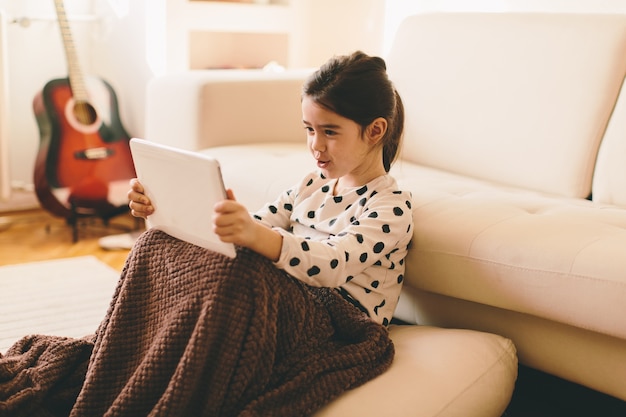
{"x":192,"y":332}
{"x":41,"y":376}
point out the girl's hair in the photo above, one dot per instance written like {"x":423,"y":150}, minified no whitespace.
{"x":357,"y":87}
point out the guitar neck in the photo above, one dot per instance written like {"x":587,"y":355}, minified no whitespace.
{"x":77,"y":81}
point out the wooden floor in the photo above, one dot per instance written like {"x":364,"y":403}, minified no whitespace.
{"x":35,"y":235}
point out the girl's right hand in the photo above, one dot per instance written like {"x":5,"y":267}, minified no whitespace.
{"x":140,"y":205}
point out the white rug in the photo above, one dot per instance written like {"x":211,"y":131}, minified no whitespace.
{"x":65,"y":297}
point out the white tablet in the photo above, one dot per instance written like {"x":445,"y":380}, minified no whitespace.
{"x":183,"y":187}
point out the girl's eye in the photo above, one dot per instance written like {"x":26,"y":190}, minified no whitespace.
{"x":308,"y":129}
{"x":330,"y":132}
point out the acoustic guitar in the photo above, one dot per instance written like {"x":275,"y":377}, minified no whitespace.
{"x":84,"y":150}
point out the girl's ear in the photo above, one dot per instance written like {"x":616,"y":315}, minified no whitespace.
{"x":376,"y":130}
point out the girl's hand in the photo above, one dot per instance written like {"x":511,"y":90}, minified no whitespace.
{"x":140,"y":205}
{"x":233,"y":224}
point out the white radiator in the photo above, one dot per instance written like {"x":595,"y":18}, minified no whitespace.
{"x":5,"y":180}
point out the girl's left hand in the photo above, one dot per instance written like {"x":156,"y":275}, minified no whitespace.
{"x":233,"y":224}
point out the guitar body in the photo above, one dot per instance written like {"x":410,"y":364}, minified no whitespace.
{"x":83,"y":150}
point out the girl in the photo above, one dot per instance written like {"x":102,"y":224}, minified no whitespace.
{"x":298,"y":317}
{"x":346,"y":226}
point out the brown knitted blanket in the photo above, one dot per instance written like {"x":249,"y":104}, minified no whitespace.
{"x":193,"y":333}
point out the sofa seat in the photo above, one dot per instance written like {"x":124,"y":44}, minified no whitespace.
{"x":436,"y":372}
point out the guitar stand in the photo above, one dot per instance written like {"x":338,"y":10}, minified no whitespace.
{"x":77,"y":213}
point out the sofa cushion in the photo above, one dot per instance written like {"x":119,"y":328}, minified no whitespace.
{"x":552,"y":257}
{"x":209,"y":106}
{"x":436,"y":372}
{"x":539,"y":127}
{"x":258,"y":173}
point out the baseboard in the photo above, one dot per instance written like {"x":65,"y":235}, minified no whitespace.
{"x":19,"y":200}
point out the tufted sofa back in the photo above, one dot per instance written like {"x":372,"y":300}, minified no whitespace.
{"x":520,"y":99}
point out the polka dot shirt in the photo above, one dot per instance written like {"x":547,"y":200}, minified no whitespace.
{"x":355,"y":242}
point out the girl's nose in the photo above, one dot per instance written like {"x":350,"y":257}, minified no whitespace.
{"x":317,"y":144}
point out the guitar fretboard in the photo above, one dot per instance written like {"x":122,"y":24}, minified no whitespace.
{"x":77,"y":82}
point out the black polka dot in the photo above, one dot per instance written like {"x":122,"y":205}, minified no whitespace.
{"x":398,"y":211}
{"x":378,"y":248}
{"x":256,"y":216}
{"x":325,"y":189}
{"x":408,"y":203}
{"x":310,"y":182}
{"x":314,"y":270}
{"x":373,"y":215}
{"x":347,"y":256}
{"x":386,"y":228}
{"x":363,"y":257}
{"x":385,"y":322}
{"x":338,"y":199}
{"x":288,"y":207}
{"x":350,"y":277}
{"x":333,"y":221}
{"x":362,"y":190}
{"x":305,"y":246}
{"x":334,"y":263}
{"x":362,"y":201}
{"x":400,"y":278}
{"x":378,"y":307}
{"x":311,"y":214}
{"x":359,"y":237}
{"x":273,"y":209}
{"x":375,"y":284}
{"x":294,"y":261}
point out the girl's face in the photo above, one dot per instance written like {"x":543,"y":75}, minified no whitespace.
{"x":339,"y":146}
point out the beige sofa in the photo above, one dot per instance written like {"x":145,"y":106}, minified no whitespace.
{"x":515,"y":152}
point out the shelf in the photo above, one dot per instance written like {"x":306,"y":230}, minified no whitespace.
{"x":227,"y":34}
{"x":225,"y":50}
{"x":260,"y":2}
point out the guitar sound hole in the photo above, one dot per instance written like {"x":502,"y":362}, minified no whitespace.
{"x":85,"y":113}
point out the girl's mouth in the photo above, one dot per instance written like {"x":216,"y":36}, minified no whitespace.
{"x":322,"y":164}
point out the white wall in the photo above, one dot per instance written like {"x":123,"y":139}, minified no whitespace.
{"x":329,"y":27}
